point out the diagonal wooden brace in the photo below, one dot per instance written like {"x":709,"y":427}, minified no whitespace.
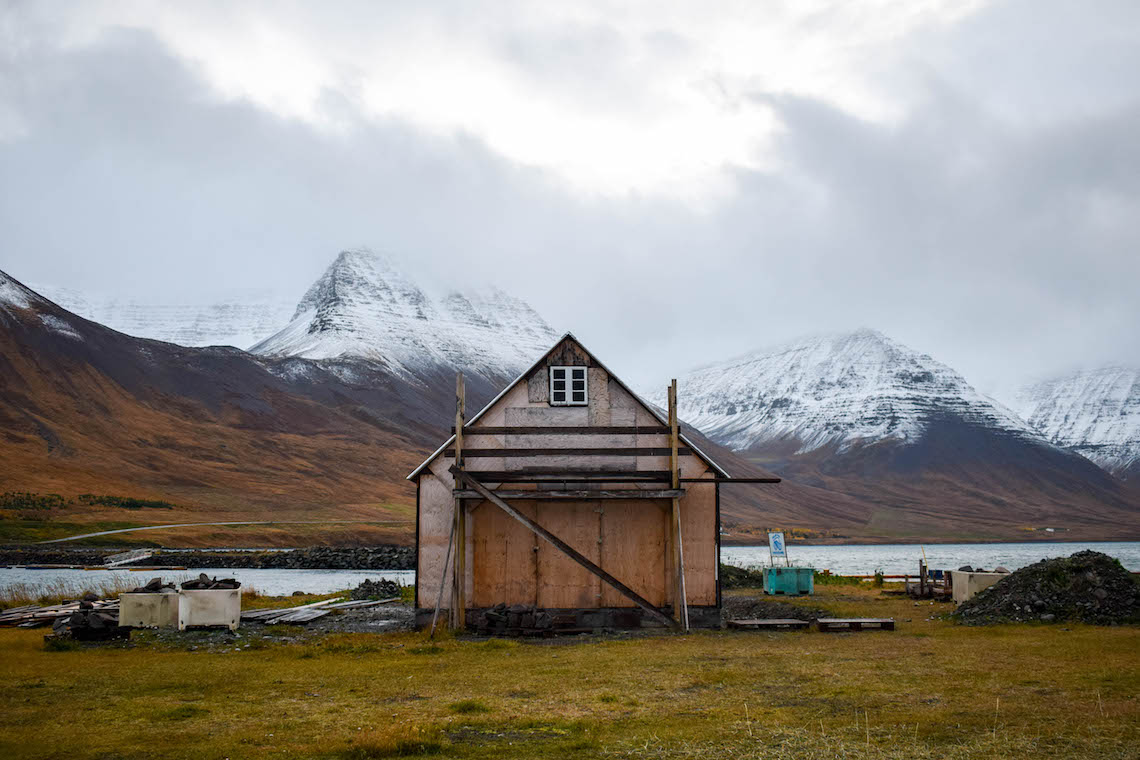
{"x":563,"y":547}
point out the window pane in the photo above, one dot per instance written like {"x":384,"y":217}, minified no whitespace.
{"x":559,"y":396}
{"x":579,"y":374}
{"x":559,"y":374}
{"x":579,"y":396}
{"x":579,"y":385}
{"x":559,"y":385}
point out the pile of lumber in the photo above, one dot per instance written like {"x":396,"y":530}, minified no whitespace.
{"x":308,"y":612}
{"x":34,"y":616}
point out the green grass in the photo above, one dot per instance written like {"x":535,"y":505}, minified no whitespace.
{"x":930,"y":689}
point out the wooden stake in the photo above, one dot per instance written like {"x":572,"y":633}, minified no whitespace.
{"x":459,"y":616}
{"x":564,"y":547}
{"x":682,"y":604}
{"x":442,"y":581}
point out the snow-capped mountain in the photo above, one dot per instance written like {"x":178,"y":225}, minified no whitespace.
{"x":844,"y":389}
{"x":1095,"y":413}
{"x":364,"y":307}
{"x":240,"y":320}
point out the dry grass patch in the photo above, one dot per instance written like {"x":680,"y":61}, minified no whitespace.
{"x":930,"y":689}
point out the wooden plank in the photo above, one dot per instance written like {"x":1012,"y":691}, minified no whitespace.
{"x":730,"y":480}
{"x":591,"y":452}
{"x":555,"y":475}
{"x":459,"y":593}
{"x":568,"y":430}
{"x":839,"y":625}
{"x":503,"y":557}
{"x":682,"y":606}
{"x":635,"y":542}
{"x":565,"y":585}
{"x":564,"y":547}
{"x":760,"y":623}
{"x":579,"y":494}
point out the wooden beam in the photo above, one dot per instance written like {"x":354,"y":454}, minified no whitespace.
{"x":609,"y":452}
{"x":588,"y":493}
{"x":566,"y":430}
{"x":731,"y":480}
{"x":554,"y":475}
{"x":564,"y":547}
{"x":459,"y":618}
{"x":682,"y":605}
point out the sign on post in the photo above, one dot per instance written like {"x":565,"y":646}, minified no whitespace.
{"x":776,"y":547}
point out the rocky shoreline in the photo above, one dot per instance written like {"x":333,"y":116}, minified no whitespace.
{"x":386,"y":557}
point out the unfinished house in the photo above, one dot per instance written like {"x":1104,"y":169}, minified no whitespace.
{"x":567,"y":503}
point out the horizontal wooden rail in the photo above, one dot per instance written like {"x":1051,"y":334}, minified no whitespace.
{"x":579,"y":494}
{"x":563,"y":476}
{"x":614,"y":452}
{"x":566,"y":430}
{"x":730,"y":480}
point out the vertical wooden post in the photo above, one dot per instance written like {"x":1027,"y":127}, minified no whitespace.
{"x":459,"y":592}
{"x":682,"y":604}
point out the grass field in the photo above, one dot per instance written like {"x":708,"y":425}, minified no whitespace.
{"x":929,"y":689}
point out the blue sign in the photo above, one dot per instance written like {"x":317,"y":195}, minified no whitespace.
{"x":776,"y":544}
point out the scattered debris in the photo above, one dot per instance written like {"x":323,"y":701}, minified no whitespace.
{"x":1088,"y":587}
{"x":34,"y":616}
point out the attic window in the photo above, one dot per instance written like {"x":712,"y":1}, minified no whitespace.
{"x":568,"y":386}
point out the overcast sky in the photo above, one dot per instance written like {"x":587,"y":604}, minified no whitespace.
{"x":674,"y":182}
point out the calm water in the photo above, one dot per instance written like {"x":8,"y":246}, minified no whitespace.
{"x":903,"y":558}
{"x":844,"y":560}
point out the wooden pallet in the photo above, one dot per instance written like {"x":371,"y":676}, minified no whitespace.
{"x":755,"y":624}
{"x":844,"y":625}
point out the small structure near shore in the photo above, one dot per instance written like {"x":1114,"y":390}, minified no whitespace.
{"x":568,"y":497}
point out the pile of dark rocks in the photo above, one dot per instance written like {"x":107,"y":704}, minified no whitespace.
{"x":740,"y":577}
{"x":517,"y":619}
{"x":312,"y":558}
{"x":153,"y":586}
{"x":380,"y":589}
{"x":204,"y":582}
{"x":1087,"y":587}
{"x":90,"y":624}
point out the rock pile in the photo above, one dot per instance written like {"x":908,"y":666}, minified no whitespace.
{"x":153,"y":586}
{"x":740,"y":577}
{"x":380,"y":589}
{"x":311,"y":558}
{"x":1088,"y":587}
{"x":517,"y":619}
{"x":89,"y":624}
{"x":203,"y":582}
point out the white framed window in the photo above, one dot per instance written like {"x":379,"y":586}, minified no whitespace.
{"x":568,"y":386}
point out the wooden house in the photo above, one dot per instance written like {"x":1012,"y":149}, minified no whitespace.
{"x":570,"y":496}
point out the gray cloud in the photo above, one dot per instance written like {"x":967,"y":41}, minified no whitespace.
{"x":1005,"y":246}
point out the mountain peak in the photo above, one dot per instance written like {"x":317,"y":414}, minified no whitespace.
{"x":840,"y":388}
{"x":364,"y":306}
{"x":1095,"y":412}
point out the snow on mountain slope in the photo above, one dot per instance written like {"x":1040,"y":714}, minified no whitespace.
{"x":858,"y":387}
{"x":1095,"y":413}
{"x":240,"y":320}
{"x":364,"y":307}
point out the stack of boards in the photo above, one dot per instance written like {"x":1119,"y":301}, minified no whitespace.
{"x":308,"y":612}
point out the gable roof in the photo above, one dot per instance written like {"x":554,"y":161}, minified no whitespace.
{"x":649,"y":407}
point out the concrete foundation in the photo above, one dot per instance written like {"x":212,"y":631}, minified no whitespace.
{"x":595,"y":618}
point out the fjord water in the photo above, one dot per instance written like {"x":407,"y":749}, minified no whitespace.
{"x":892,"y":559}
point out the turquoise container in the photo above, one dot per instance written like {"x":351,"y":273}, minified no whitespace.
{"x":789,"y":581}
